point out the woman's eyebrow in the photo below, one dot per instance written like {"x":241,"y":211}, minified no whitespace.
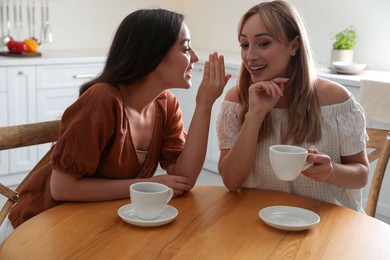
{"x":256,"y":35}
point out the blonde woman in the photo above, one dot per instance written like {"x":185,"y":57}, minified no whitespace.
{"x":280,"y":100}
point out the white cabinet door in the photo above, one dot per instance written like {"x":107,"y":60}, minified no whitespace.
{"x":3,"y":81}
{"x":21,"y":110}
{"x":52,"y":103}
{"x":21,"y":95}
{"x":4,"y":168}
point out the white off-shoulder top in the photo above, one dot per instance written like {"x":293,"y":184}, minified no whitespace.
{"x":343,"y":133}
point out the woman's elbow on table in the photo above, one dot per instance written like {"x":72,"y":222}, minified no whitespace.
{"x":230,"y":182}
{"x":58,"y":185}
{"x":231,"y":185}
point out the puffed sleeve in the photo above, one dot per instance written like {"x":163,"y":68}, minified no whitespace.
{"x":228,"y":124}
{"x":86,"y":128}
{"x":352,"y":128}
{"x":174,"y":135}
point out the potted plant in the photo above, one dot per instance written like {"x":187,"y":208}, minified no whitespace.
{"x":343,"y":44}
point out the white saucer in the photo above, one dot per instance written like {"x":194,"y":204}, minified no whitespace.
{"x":289,"y":218}
{"x":127,"y":214}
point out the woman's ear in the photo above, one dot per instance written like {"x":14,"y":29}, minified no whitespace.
{"x":294,"y":46}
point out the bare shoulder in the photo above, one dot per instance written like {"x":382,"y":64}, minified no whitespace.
{"x":232,"y":95}
{"x":330,"y":92}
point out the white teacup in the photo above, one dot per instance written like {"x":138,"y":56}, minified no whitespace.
{"x":149,"y":199}
{"x":288,"y":161}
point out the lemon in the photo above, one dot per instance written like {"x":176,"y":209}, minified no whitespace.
{"x":32,"y":45}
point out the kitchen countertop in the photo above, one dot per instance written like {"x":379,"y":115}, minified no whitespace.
{"x":232,"y":61}
{"x":355,"y":80}
{"x":52,"y":57}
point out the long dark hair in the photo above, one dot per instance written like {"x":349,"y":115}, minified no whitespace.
{"x":140,"y":43}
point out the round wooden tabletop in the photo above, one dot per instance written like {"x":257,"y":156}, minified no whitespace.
{"x":212,"y":223}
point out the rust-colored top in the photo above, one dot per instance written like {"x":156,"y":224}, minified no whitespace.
{"x":95,"y":141}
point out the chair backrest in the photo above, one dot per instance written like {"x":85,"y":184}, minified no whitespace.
{"x":22,"y":136}
{"x":379,"y":141}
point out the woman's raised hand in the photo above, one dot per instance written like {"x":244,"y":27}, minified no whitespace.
{"x":264,"y":95}
{"x":214,"y":80}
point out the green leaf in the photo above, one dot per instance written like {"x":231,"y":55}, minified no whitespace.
{"x":345,"y":40}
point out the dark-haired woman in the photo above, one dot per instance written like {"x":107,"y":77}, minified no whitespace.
{"x":126,"y":121}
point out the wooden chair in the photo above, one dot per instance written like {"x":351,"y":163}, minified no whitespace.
{"x":379,"y":140}
{"x":22,"y":136}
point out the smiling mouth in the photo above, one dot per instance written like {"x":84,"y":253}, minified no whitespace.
{"x":257,"y":68}
{"x":189,"y":72}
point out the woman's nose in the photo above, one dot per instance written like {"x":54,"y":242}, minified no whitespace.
{"x":194,"y":56}
{"x":251,"y":54}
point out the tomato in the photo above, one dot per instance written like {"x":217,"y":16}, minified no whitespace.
{"x":21,"y":47}
{"x":11,"y":45}
{"x":16,"y":46}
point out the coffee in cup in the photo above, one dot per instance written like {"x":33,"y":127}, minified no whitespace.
{"x":288,"y":161}
{"x":149,"y":199}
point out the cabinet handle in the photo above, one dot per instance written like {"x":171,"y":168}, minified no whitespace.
{"x":84,"y":76}
{"x":20,"y":73}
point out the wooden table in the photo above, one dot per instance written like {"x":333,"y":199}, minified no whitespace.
{"x":213,"y":223}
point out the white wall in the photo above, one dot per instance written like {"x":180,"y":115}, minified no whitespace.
{"x":82,"y":24}
{"x":213,"y":25}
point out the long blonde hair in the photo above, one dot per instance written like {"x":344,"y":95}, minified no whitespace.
{"x":284,"y":24}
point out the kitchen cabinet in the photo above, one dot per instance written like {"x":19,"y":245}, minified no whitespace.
{"x":21,"y":110}
{"x":3,"y":118}
{"x":33,"y":91}
{"x":3,"y":122}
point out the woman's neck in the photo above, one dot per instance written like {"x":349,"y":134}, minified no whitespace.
{"x":138,"y":96}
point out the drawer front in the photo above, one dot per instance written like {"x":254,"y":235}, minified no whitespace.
{"x":52,"y":103}
{"x":66,"y":76}
{"x":3,"y":80}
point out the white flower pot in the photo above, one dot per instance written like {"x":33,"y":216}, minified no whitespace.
{"x":341,"y":55}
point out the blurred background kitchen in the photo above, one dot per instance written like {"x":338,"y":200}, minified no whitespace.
{"x":90,"y":24}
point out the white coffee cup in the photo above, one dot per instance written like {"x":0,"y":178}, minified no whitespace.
{"x":288,"y":161}
{"x":149,"y":199}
